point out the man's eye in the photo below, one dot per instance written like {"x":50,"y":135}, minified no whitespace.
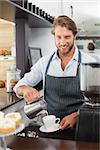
{"x":59,"y":37}
{"x":67,"y":37}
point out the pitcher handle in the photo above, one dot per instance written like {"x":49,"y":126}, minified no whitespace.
{"x":42,"y":112}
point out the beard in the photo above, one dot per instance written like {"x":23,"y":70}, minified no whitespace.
{"x":64,"y":50}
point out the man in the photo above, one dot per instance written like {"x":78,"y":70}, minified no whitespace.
{"x":60,"y":74}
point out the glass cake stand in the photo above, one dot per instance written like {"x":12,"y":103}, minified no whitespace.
{"x":3,"y":145}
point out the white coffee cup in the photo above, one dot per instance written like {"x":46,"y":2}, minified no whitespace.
{"x":50,"y":122}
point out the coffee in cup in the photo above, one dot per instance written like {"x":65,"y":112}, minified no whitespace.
{"x":50,"y":122}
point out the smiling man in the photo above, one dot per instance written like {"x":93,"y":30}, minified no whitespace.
{"x":60,"y":74}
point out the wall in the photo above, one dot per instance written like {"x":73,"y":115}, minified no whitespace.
{"x":42,"y":37}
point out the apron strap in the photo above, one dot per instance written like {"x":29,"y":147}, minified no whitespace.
{"x":46,"y":71}
{"x":79,"y":62}
{"x":49,"y":63}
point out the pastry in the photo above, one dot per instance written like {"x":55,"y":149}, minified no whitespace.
{"x":5,"y":52}
{"x":15,"y":116}
{"x":7,"y":125}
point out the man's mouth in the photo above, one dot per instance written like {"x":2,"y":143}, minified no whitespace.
{"x":63,"y":48}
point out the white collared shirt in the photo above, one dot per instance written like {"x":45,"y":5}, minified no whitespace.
{"x":37,"y":72}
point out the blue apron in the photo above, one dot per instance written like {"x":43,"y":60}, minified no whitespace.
{"x":62,"y":94}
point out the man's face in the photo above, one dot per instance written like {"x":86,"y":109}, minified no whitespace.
{"x":64,"y":40}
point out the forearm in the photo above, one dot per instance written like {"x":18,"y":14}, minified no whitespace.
{"x":74,"y":115}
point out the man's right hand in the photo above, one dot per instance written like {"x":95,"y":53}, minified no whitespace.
{"x":29,"y":94}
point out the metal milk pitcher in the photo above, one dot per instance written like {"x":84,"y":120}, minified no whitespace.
{"x":35,"y":109}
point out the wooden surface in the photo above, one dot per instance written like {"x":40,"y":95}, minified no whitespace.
{"x":7,"y":99}
{"x":23,"y":143}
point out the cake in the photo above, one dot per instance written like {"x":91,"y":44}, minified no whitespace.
{"x":1,"y":115}
{"x":7,"y":125}
{"x":15,"y":116}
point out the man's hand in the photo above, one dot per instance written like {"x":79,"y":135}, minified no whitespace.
{"x":29,"y":94}
{"x":68,"y":121}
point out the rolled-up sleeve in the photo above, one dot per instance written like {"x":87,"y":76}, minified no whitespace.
{"x":31,"y":78}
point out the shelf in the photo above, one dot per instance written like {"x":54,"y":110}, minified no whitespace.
{"x":11,"y":11}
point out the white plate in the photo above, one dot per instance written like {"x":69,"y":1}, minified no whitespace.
{"x":43,"y":129}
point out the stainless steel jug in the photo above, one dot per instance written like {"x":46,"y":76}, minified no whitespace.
{"x":90,"y":81}
{"x":35,"y":109}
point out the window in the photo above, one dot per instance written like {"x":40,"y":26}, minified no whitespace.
{"x":34,"y":55}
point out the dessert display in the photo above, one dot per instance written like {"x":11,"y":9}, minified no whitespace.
{"x":10,"y":122}
{"x":7,"y":125}
{"x":15,"y":116}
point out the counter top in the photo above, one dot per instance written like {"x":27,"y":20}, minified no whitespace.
{"x":25,"y":143}
{"x":7,"y":99}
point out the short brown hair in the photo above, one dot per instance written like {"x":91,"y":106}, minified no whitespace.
{"x":64,"y":21}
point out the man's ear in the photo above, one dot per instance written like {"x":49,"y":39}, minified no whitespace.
{"x":52,"y":32}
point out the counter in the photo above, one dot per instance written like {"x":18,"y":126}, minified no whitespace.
{"x":7,"y":99}
{"x":23,"y":143}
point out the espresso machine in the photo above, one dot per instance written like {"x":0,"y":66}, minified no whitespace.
{"x":87,"y":128}
{"x":90,"y":81}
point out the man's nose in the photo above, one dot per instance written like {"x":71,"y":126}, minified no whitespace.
{"x":62,"y":41}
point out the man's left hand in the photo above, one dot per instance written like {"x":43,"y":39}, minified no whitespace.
{"x":68,"y":121}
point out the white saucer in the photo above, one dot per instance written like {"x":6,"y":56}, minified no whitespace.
{"x":43,"y":129}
